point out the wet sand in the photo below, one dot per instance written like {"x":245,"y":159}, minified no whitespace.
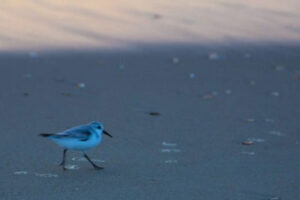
{"x":208,"y":100}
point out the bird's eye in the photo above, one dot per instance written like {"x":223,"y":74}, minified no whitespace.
{"x":98,"y":127}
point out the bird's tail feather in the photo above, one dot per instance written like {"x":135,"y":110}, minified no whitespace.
{"x":45,"y":134}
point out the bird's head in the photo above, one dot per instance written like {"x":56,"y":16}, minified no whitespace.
{"x":99,"y":127}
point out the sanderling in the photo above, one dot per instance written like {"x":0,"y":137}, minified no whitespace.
{"x":79,"y":138}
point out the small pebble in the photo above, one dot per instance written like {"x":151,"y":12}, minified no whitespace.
{"x":175,"y":60}
{"x":275,"y":94}
{"x":269,"y":120}
{"x":250,"y":153}
{"x":20,"y":172}
{"x":72,"y":167}
{"x":157,"y":16}
{"x":255,"y":140}
{"x":252,"y":82}
{"x":247,"y":142}
{"x":154,"y":113}
{"x":170,"y":150}
{"x":277,"y":133}
{"x":228,"y":92}
{"x":81,"y":85}
{"x":192,"y":75}
{"x":213,"y":56}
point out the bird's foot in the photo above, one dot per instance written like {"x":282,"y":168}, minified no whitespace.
{"x":98,"y":167}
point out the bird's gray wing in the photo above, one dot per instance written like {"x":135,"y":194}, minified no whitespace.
{"x":81,"y":133}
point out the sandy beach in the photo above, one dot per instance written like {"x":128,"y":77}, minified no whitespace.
{"x":201,"y":97}
{"x":224,"y":122}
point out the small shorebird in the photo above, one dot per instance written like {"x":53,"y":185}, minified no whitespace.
{"x":79,"y":138}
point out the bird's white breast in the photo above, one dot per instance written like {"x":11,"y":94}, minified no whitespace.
{"x":75,"y":144}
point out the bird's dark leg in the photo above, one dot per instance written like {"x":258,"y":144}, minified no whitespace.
{"x":64,"y":159}
{"x":94,"y":165}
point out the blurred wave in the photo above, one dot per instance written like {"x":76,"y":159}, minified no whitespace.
{"x":84,"y":24}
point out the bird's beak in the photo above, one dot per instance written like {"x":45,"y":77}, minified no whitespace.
{"x":106,"y":133}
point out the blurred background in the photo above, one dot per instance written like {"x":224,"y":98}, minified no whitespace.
{"x":90,"y":24}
